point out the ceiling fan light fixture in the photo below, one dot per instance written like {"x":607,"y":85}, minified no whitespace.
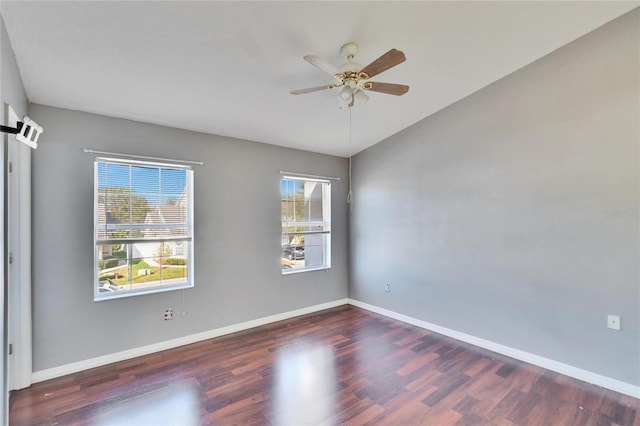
{"x":359,"y":97}
{"x":346,"y":103}
{"x":342,"y":104}
{"x":346,"y":93}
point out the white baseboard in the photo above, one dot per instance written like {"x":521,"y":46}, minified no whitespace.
{"x":549,"y":364}
{"x":559,"y":367}
{"x":63,"y":370}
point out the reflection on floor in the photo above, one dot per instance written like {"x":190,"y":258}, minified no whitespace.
{"x":340,"y":366}
{"x":305,"y":385}
{"x":177,"y":404}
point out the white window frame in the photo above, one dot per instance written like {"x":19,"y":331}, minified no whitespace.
{"x":325,"y":223}
{"x":187,"y":240}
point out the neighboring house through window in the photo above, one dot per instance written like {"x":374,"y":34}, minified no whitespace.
{"x":306,"y":224}
{"x":143,"y":227}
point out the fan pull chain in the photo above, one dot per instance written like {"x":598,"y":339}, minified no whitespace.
{"x":350,"y":193}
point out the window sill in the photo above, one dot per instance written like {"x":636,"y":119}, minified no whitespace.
{"x":122,"y":294}
{"x":297,"y":271}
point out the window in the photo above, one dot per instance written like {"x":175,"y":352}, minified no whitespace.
{"x":306,"y":224}
{"x":143,"y":223}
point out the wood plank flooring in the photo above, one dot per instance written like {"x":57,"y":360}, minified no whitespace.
{"x":340,"y":366}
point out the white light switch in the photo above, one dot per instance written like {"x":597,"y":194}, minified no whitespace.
{"x":613,"y":321}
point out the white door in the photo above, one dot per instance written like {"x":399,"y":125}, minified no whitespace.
{"x":18,"y":211}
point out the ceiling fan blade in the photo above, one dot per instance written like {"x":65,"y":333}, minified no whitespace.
{"x":311,"y":89}
{"x":389,"y":88}
{"x":322,"y":64}
{"x":384,"y":62}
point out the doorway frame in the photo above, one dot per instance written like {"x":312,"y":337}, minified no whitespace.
{"x":18,"y":258}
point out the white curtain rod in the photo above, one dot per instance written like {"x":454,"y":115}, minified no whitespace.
{"x":144,"y":157}
{"x":302,"y":175}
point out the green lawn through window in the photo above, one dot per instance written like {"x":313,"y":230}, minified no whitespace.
{"x":120,"y":276}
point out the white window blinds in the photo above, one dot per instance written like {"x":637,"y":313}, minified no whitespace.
{"x":143,"y":225}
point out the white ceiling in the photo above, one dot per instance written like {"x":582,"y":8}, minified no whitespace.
{"x":226,"y":68}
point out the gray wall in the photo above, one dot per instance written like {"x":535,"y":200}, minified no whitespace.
{"x":512,"y":215}
{"x":12,"y":88}
{"x":11,"y":92}
{"x":237,"y":237}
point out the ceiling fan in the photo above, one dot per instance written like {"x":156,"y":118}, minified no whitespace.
{"x":354,"y":79}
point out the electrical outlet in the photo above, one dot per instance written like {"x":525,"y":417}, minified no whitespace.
{"x":168,"y":314}
{"x":387,"y":287}
{"x":613,"y":322}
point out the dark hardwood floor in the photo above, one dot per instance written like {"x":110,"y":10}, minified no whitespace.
{"x":340,"y":366}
